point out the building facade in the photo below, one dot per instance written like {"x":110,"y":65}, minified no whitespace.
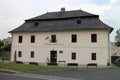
{"x":115,"y":51}
{"x":61,"y":38}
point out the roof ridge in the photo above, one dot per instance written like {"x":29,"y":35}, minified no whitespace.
{"x":65,"y":14}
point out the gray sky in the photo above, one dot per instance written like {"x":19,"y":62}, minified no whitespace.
{"x":14,"y":12}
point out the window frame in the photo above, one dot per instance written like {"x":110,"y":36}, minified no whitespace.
{"x":32,"y":40}
{"x":53,"y":38}
{"x":20,"y":39}
{"x":93,"y":38}
{"x":74,"y":38}
{"x":32,"y":54}
{"x":73,"y":56}
{"x":19,"y":53}
{"x":93,"y":56}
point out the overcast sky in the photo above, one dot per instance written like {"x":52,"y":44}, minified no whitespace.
{"x":14,"y":12}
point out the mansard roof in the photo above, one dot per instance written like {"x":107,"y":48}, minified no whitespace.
{"x":62,"y":21}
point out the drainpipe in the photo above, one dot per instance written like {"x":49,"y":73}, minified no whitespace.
{"x":109,"y":50}
{"x":11,"y":51}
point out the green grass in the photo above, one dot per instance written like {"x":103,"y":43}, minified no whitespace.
{"x":25,"y":67}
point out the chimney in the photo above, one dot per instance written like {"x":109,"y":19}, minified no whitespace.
{"x":63,"y":9}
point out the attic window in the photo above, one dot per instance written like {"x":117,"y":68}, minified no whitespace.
{"x":79,"y":21}
{"x":36,"y":23}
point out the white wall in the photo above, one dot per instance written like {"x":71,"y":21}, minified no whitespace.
{"x":83,"y":47}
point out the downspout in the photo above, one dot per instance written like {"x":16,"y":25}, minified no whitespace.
{"x":11,"y":51}
{"x":109,"y":50}
{"x":11,"y":48}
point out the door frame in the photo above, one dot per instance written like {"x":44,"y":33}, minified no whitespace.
{"x":53,"y":56}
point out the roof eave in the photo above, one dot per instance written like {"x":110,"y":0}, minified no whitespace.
{"x":110,"y":30}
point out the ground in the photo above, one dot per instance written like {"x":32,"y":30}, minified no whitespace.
{"x":84,"y":74}
{"x":64,"y":75}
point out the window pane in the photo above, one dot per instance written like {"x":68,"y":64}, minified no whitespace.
{"x":93,"y":56}
{"x":20,"y":39}
{"x":32,"y":54}
{"x":32,"y":39}
{"x":74,"y":38}
{"x":93,"y":37}
{"x":53,"y":38}
{"x":19,"y":53}
{"x":73,"y":56}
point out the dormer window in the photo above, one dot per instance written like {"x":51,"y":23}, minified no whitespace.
{"x":36,"y":23}
{"x":79,"y":21}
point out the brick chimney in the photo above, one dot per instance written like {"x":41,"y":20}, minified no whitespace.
{"x":63,"y":9}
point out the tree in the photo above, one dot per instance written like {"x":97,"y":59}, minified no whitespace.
{"x":7,"y":47}
{"x":117,"y":38}
{"x":1,"y":45}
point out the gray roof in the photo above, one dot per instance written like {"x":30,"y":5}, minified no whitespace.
{"x":63,"y":15}
{"x":61,"y":21}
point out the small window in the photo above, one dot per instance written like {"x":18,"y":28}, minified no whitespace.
{"x":20,"y":39}
{"x":32,"y":54}
{"x":73,"y":56}
{"x":32,"y":39}
{"x":78,"y":21}
{"x":93,"y":37}
{"x":93,"y":56}
{"x":74,"y":38}
{"x":19,"y":53}
{"x":36,"y":23}
{"x":53,"y":38}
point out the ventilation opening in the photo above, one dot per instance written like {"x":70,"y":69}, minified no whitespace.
{"x":36,"y":23}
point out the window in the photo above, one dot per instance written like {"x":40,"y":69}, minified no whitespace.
{"x":78,"y":21}
{"x":93,"y":37}
{"x":19,"y":53}
{"x":32,"y":54}
{"x":93,"y":56}
{"x":53,"y":38}
{"x":20,"y":39}
{"x":73,"y":56}
{"x":32,"y":39}
{"x":36,"y":23}
{"x":74,"y":38}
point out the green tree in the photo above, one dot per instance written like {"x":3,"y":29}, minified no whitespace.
{"x":117,"y":38}
{"x":1,"y":45}
{"x":7,"y":47}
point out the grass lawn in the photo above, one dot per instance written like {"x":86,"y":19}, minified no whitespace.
{"x":25,"y":67}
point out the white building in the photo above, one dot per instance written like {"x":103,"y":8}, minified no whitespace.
{"x":63,"y":37}
{"x":115,"y":51}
